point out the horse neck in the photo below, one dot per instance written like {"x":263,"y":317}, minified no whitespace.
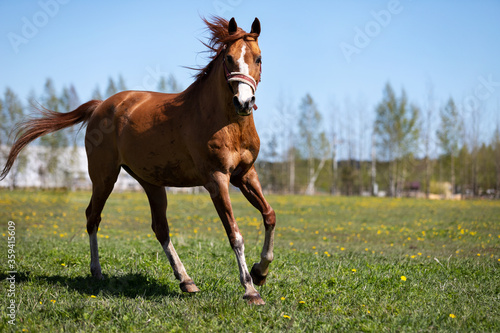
{"x":212,"y":92}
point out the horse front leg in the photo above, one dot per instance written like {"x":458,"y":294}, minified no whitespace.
{"x":250,"y":186}
{"x":219,"y":192}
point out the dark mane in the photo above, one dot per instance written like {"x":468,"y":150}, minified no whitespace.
{"x":220,"y":38}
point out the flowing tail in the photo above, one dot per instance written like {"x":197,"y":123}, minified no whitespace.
{"x":50,"y":121}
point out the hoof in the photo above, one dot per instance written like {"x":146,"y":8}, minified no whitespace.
{"x":96,"y":274}
{"x":257,"y":277}
{"x":189,"y":287}
{"x":254,"y":299}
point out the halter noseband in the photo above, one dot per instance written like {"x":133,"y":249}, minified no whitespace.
{"x":240,"y":77}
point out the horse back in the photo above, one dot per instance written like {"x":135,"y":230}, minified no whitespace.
{"x":170,"y":140}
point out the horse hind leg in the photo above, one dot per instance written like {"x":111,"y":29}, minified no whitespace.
{"x":101,"y":189}
{"x":158,"y":202}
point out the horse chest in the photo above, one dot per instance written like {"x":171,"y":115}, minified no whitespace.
{"x":230,"y":154}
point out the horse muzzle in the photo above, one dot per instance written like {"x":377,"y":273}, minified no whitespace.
{"x":244,"y":108}
{"x":244,"y":99}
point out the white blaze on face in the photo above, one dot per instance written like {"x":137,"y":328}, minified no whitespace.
{"x":244,"y":90}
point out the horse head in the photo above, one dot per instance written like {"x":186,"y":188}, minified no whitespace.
{"x":242,"y":66}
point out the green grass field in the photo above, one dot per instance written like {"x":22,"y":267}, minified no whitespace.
{"x":341,"y":264}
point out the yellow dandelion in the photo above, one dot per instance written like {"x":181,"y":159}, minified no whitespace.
{"x":479,"y":254}
{"x":314,"y":247}
{"x":291,"y":243}
{"x":452,"y":315}
{"x":354,"y":270}
{"x":403,"y":278}
{"x":419,"y":254}
{"x":53,"y":301}
{"x":302,"y":302}
{"x":342,"y":249}
{"x":92,"y":296}
{"x":282,"y":298}
{"x":286,"y":316}
{"x":40,"y":302}
{"x":63,"y":264}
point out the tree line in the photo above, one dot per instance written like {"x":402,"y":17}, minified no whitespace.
{"x":406,"y":150}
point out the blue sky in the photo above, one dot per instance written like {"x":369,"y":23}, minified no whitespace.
{"x":451,"y":46}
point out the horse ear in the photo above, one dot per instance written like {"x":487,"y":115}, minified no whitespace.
{"x":256,"y":27}
{"x":232,"y":27}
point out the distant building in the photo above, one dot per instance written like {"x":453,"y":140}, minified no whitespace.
{"x":71,"y":171}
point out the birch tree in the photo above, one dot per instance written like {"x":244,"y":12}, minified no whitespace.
{"x":11,"y":113}
{"x":53,"y":142}
{"x":314,"y":143}
{"x":448,"y":135}
{"x":496,"y":151}
{"x":397,"y":132}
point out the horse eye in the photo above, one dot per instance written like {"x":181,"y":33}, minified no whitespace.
{"x":258,"y":60}
{"x":230,"y":59}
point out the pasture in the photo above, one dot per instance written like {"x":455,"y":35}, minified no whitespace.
{"x":341,"y":264}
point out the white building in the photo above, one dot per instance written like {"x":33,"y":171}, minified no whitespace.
{"x":71,"y":171}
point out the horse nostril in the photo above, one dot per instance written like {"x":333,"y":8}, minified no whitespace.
{"x":249,"y":104}
{"x":236,"y":102}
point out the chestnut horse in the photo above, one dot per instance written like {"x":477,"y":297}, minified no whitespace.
{"x":203,"y":136}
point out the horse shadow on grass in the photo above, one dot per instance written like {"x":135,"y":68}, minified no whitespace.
{"x":129,"y":285}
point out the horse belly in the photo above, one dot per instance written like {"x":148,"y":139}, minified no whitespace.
{"x":164,"y":168}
